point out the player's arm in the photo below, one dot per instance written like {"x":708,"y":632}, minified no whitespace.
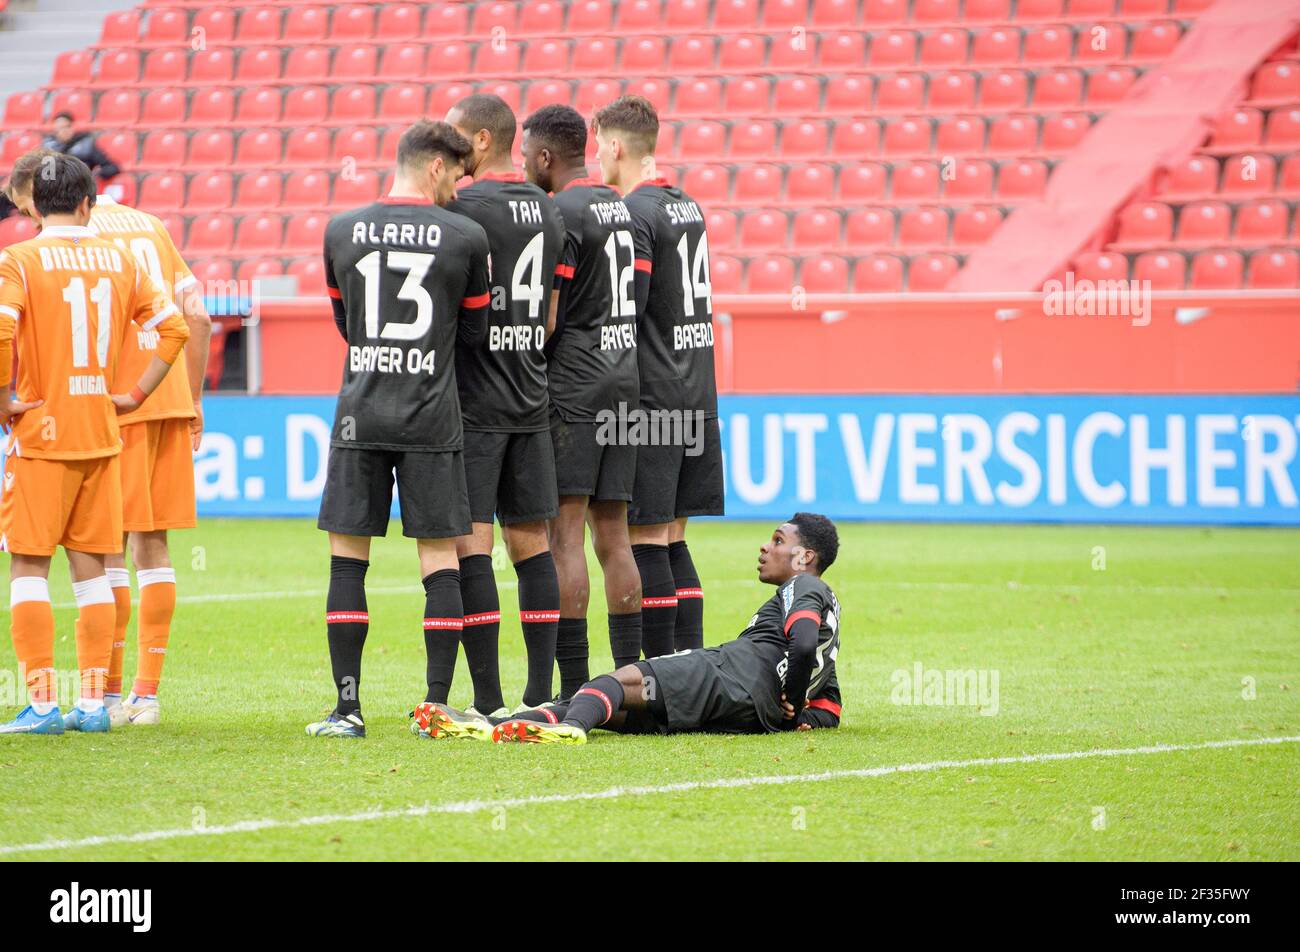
{"x":189,"y":298}
{"x":563,"y":280}
{"x":335,"y":295}
{"x":814,"y":717}
{"x":474,"y":307}
{"x":13,"y":304}
{"x":803,"y":621}
{"x":151,"y":309}
{"x":643,"y":246}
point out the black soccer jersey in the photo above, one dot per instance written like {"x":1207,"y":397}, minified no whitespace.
{"x":503,"y":379}
{"x":593,"y":366}
{"x":675,"y":334}
{"x":804,"y":596}
{"x":412,"y":279}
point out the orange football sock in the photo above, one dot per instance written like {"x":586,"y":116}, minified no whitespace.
{"x":157,"y":605}
{"x":120,"y":580}
{"x":32,"y":627}
{"x":97,"y":613}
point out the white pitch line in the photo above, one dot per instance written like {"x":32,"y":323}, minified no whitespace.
{"x":614,"y":793}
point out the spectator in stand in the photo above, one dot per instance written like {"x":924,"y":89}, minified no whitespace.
{"x":65,"y":138}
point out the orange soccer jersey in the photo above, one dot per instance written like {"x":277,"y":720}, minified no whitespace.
{"x":67,"y":296}
{"x":145,"y":238}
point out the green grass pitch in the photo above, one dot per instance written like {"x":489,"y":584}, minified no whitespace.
{"x":1100,"y":638}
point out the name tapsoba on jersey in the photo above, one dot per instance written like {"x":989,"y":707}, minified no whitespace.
{"x":804,"y":596}
{"x":676,"y":331}
{"x":594,"y":364}
{"x":503,"y":379}
{"x":412,"y":279}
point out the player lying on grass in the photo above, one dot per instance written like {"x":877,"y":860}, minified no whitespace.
{"x":778,"y":675}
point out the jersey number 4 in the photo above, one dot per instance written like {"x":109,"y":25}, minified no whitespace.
{"x":416,"y":267}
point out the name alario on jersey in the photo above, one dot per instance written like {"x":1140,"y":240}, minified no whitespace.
{"x":409,"y":276}
{"x":503,"y":379}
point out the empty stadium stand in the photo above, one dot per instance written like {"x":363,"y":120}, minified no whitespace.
{"x":841,"y":145}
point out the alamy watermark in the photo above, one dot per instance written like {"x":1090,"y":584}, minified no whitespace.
{"x":946,"y":688}
{"x":1086,"y":298}
{"x":637,"y":426}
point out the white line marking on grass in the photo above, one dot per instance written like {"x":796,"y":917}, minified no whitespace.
{"x":614,"y":793}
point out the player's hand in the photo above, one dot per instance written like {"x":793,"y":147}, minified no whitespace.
{"x":196,"y":427}
{"x":803,"y":726}
{"x":11,"y":410}
{"x":124,"y":402}
{"x":787,"y":709}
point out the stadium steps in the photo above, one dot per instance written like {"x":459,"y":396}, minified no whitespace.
{"x":34,"y":32}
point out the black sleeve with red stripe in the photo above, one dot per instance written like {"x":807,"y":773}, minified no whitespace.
{"x":801,"y":628}
{"x":643,"y":247}
{"x":474,"y":306}
{"x":563,"y":281}
{"x":335,"y":296}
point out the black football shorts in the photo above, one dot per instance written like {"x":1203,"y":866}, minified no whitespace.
{"x":586,"y":467}
{"x":671,"y":483}
{"x":359,"y":493}
{"x":511,"y":476}
{"x":716,"y":690}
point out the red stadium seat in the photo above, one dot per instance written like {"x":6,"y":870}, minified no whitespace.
{"x":545,"y":57}
{"x":1248,"y":174}
{"x":707,"y":183}
{"x":352,"y":22}
{"x":798,"y":51}
{"x":1290,"y":181}
{"x":446,"y":20}
{"x":165,"y":68}
{"x":969,"y":179}
{"x":893,"y":48}
{"x":963,"y":135}
{"x":1283,"y":127}
{"x":903,"y":91}
{"x":797,"y":94}
{"x":510,"y":92}
{"x":824,"y":274}
{"x":73,"y":68}
{"x":643,"y":54}
{"x":214,"y":24}
{"x":212,"y":107}
{"x":841,"y":51}
{"x":997,"y":46}
{"x":944,"y":48}
{"x":260,"y":233}
{"x":1101,"y":266}
{"x":703,"y":140}
{"x":764,"y":228}
{"x":259,"y":25}
{"x":360,"y":188}
{"x":813,"y":182}
{"x":1026,"y":178}
{"x":689,"y":54}
{"x":1090,"y":8}
{"x":923,"y":227}
{"x":770,"y":274}
{"x":878,"y":274}
{"x":870,"y":228}
{"x":722,"y":227}
{"x":863,"y":181}
{"x":1205,"y":223}
{"x":1146,"y":223}
{"x":161,"y":107}
{"x":259,"y":105}
{"x":164,"y":192}
{"x":758,"y":183}
{"x":260,"y":64}
{"x":356,"y":62}
{"x":24,"y":109}
{"x":950,"y":91}
{"x":308,"y":64}
{"x":310,"y":273}
{"x":849,"y":94}
{"x":1110,"y":85}
{"x":1048,"y":45}
{"x":444,"y":96}
{"x":973,"y":226}
{"x":931,"y":272}
{"x":878,"y":12}
{"x":1004,"y":89}
{"x":742,"y":52}
{"x":209,"y":234}
{"x":1101,"y":43}
{"x":935,"y":11}
{"x":1142,"y":8}
{"x":595,"y":16}
{"x":121,"y":28}
{"x":211,"y":147}
{"x":406,"y":61}
{"x":907,"y":136}
{"x":212,"y":270}
{"x":306,"y":24}
{"x":1262,"y":222}
{"x":541,"y":16}
{"x":354,"y":145}
{"x":165,"y":149}
{"x":782,"y":13}
{"x":306,"y":104}
{"x":307,"y":190}
{"x":1058,"y":87}
{"x":698,"y":97}
{"x":1241,"y":128}
{"x":735,"y":14}
{"x":16,"y":228}
{"x":118,"y":68}
{"x":596,"y":92}
{"x":401,"y":21}
{"x":1039,"y":9}
{"x":494,"y":58}
{"x":210,"y":66}
{"x":753,"y":139}
{"x":1194,"y":175}
{"x":1155,"y":40}
{"x":1062,"y":133}
{"x":1274,"y":269}
{"x":803,"y":138}
{"x":81,"y":104}
{"x":1276,"y":82}
{"x":855,"y":138}
{"x":725,"y":274}
{"x":403,"y":102}
{"x":259,"y":190}
{"x":17,"y":143}
{"x":655,"y":90}
{"x":814,"y":227}
{"x":255,"y":268}
{"x":307,"y":146}
{"x":1165,"y":271}
{"x":1217,"y":271}
{"x":546,"y":93}
{"x":747,"y":95}
{"x":916,"y":180}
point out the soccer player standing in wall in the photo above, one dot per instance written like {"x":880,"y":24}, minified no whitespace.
{"x":409,"y":281}
{"x":681,"y":477}
{"x":509,"y":462}
{"x":592,"y":371}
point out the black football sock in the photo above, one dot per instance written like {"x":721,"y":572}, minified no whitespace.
{"x":444,"y":617}
{"x":625,"y":638}
{"x":571,"y":654}
{"x":690,"y":598}
{"x":544,"y":715}
{"x":482,"y":632}
{"x":346,"y":622}
{"x":539,"y":616}
{"x":595,"y":703}
{"x":658,"y":599}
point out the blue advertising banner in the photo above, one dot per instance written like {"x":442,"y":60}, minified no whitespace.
{"x":1197,"y":459}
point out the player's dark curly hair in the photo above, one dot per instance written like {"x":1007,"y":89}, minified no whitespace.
{"x":560,"y":129}
{"x":817,"y":533}
{"x":62,"y":189}
{"x":633,"y":116}
{"x":430,"y":137}
{"x":486,"y":111}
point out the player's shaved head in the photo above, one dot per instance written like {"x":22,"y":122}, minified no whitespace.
{"x":819,"y":534}
{"x":429,"y":139}
{"x":62,"y":186}
{"x":487,"y":113}
{"x":633,"y":120}
{"x":25,"y":171}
